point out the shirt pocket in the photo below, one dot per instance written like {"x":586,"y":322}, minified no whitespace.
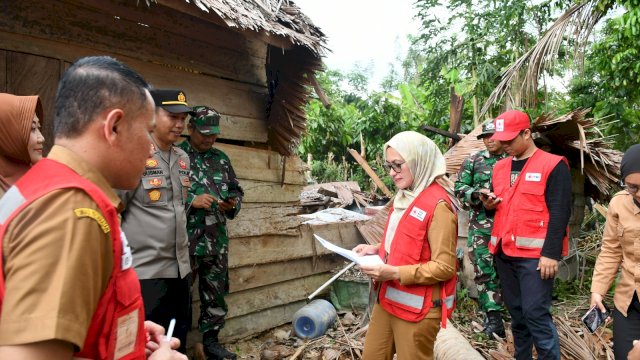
{"x":154,"y":191}
{"x":532,"y":197}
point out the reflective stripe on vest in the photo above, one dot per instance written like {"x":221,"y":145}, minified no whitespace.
{"x":449,"y":300}
{"x":528,"y":242}
{"x":404,"y":298}
{"x":11,"y":200}
{"x":494,"y":240}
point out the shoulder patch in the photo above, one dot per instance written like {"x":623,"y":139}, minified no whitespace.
{"x":95,"y":215}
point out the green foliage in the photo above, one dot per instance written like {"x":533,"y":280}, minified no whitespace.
{"x":610,"y":83}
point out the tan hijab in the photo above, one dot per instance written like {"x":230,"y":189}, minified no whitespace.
{"x":426,"y":163}
{"x":16,"y":117}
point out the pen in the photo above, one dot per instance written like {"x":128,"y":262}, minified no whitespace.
{"x":172,"y":325}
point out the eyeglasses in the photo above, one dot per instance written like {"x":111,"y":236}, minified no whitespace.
{"x":632,"y":188}
{"x":397,"y":167}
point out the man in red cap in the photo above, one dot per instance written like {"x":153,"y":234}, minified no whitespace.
{"x":532,"y":201}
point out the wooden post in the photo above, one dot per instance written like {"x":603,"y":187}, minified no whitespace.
{"x":455,"y":114}
{"x":370,"y":172}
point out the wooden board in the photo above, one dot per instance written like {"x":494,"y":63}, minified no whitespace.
{"x":264,"y":165}
{"x":35,"y":75}
{"x":265,"y":249}
{"x":139,"y":31}
{"x":249,"y":277}
{"x":239,"y":102}
{"x":247,"y":325}
{"x":263,"y":191}
{"x":3,"y":71}
{"x":257,"y":219}
{"x":243,"y":128}
{"x":264,"y":297}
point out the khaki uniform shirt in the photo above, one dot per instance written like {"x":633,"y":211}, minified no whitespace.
{"x":620,"y":249}
{"x":154,"y":218}
{"x":56,"y":264}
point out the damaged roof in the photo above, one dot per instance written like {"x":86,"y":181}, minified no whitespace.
{"x":275,"y":17}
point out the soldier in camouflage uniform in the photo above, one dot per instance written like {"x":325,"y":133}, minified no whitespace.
{"x":215,"y":196}
{"x":475,"y":174}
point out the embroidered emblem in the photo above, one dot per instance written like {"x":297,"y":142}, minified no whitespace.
{"x":499,"y":124}
{"x":95,"y":215}
{"x":185,"y":181}
{"x":151,"y":163}
{"x":418,"y":213}
{"x":182,"y":164}
{"x":154,"y":195}
{"x":537,"y":177}
{"x":155,"y":182}
{"x":181,"y":97}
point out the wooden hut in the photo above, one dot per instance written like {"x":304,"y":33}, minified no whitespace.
{"x":252,"y":60}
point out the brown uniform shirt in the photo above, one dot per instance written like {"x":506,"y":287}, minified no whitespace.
{"x":620,"y":249}
{"x":56,"y":265}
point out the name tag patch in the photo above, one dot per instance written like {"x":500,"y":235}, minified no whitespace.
{"x":126,"y":334}
{"x":418,"y":213}
{"x":537,"y":177}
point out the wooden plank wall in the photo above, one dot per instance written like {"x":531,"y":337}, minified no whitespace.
{"x":275,"y":262}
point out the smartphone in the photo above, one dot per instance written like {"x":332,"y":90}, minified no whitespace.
{"x":594,"y":318}
{"x":487,"y":195}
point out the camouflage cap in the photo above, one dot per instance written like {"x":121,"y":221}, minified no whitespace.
{"x":488,"y":128}
{"x":205,"y":119}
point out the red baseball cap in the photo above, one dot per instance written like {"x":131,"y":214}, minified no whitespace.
{"x":509,"y":124}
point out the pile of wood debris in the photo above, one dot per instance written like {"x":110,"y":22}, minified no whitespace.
{"x":337,"y":195}
{"x":343,"y":341}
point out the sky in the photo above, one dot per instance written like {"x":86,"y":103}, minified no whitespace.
{"x":363,"y":32}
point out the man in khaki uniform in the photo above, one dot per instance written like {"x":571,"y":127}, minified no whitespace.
{"x":57,"y":254}
{"x":154,"y":219}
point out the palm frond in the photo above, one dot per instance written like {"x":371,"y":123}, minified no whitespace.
{"x":579,"y":21}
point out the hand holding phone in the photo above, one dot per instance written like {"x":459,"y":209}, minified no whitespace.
{"x":594,"y":318}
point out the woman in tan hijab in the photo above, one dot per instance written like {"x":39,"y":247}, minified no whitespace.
{"x":21,"y":141}
{"x":416,"y":283}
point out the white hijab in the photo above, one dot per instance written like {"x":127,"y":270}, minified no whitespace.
{"x":426,"y":163}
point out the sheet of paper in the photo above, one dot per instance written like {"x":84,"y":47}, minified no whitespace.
{"x":360,"y":260}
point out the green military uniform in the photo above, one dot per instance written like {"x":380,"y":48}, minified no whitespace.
{"x":211,"y":173}
{"x":475,"y":174}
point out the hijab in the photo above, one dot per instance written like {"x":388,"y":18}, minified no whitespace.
{"x":425,"y":162}
{"x":16,"y":118}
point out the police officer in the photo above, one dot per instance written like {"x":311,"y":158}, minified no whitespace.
{"x":475,"y":174}
{"x":154,"y":219}
{"x":215,"y":196}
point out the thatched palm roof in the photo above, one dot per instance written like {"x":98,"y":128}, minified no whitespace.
{"x":290,"y":67}
{"x":564,"y":135}
{"x":275,"y":17}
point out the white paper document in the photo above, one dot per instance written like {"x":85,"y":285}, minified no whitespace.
{"x":360,"y":260}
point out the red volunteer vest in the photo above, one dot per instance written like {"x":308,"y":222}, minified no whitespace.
{"x":410,"y":246}
{"x":522,"y":218}
{"x":117,"y":326}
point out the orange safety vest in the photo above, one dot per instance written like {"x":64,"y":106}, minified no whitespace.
{"x":522,"y":218}
{"x":410,"y":246}
{"x":117,"y":326}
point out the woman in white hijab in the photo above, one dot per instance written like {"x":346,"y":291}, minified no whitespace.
{"x":416,"y":283}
